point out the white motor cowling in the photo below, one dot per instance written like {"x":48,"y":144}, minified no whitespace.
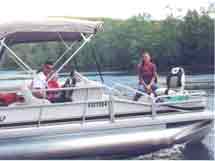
{"x":175,"y":79}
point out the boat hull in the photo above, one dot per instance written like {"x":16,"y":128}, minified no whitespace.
{"x":100,"y":143}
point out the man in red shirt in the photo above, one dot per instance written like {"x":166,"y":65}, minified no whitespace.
{"x":40,"y":80}
{"x":147,"y":73}
{"x":53,"y":96}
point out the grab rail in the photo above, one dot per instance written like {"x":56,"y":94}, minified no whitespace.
{"x":154,"y":100}
{"x":134,"y":90}
{"x":111,"y":107}
{"x":40,"y":117}
{"x":155,"y":104}
{"x":85,"y":108}
{"x":175,"y":95}
{"x":64,"y":89}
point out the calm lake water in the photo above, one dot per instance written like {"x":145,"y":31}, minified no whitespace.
{"x":204,"y":151}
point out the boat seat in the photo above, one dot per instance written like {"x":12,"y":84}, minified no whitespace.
{"x":29,"y":99}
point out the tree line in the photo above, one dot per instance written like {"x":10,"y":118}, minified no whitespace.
{"x":186,"y":41}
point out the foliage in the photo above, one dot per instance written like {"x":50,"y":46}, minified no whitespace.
{"x":187,"y":41}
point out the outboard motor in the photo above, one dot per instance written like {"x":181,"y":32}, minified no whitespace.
{"x":176,"y":79}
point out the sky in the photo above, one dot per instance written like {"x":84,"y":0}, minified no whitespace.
{"x":120,"y":9}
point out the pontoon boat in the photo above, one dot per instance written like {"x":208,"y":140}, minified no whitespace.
{"x":99,"y":120}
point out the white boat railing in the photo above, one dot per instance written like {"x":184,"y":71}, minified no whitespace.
{"x":84,"y":116}
{"x":85,"y":108}
{"x":154,"y":100}
{"x":155,"y":104}
{"x":134,"y":90}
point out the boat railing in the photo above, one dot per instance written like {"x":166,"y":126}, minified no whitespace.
{"x":132,"y":90}
{"x":85,"y":107}
{"x":86,"y":100}
{"x":156,"y":101}
{"x":63,"y":89}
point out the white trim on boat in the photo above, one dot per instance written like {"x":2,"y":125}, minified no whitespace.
{"x":107,"y":125}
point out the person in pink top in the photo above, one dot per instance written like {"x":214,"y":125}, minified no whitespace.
{"x":147,"y":73}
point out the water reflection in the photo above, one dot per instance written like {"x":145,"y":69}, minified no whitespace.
{"x":197,"y":152}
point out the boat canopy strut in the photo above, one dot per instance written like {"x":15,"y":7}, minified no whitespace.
{"x":28,"y":69}
{"x":16,"y":58}
{"x":86,"y":40}
{"x":64,"y":53}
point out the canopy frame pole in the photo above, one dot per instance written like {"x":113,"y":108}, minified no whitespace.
{"x":64,"y":53}
{"x":28,"y":68}
{"x":65,"y":44}
{"x":84,"y":37}
{"x":86,"y":40}
{"x":18,"y":63}
{"x":1,"y":46}
{"x":68,"y":47}
{"x":1,"y":54}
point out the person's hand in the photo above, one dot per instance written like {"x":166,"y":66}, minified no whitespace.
{"x":148,"y":89}
{"x":149,"y":86}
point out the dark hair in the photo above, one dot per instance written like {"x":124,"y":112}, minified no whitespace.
{"x":153,"y":60}
{"x":48,"y":62}
{"x":151,"y":57}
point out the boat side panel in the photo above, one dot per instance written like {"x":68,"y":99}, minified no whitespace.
{"x":78,"y":110}
{"x":84,"y":94}
{"x":19,"y":115}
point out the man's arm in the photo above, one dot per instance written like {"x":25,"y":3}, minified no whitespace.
{"x":38,"y":84}
{"x":39,"y":94}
